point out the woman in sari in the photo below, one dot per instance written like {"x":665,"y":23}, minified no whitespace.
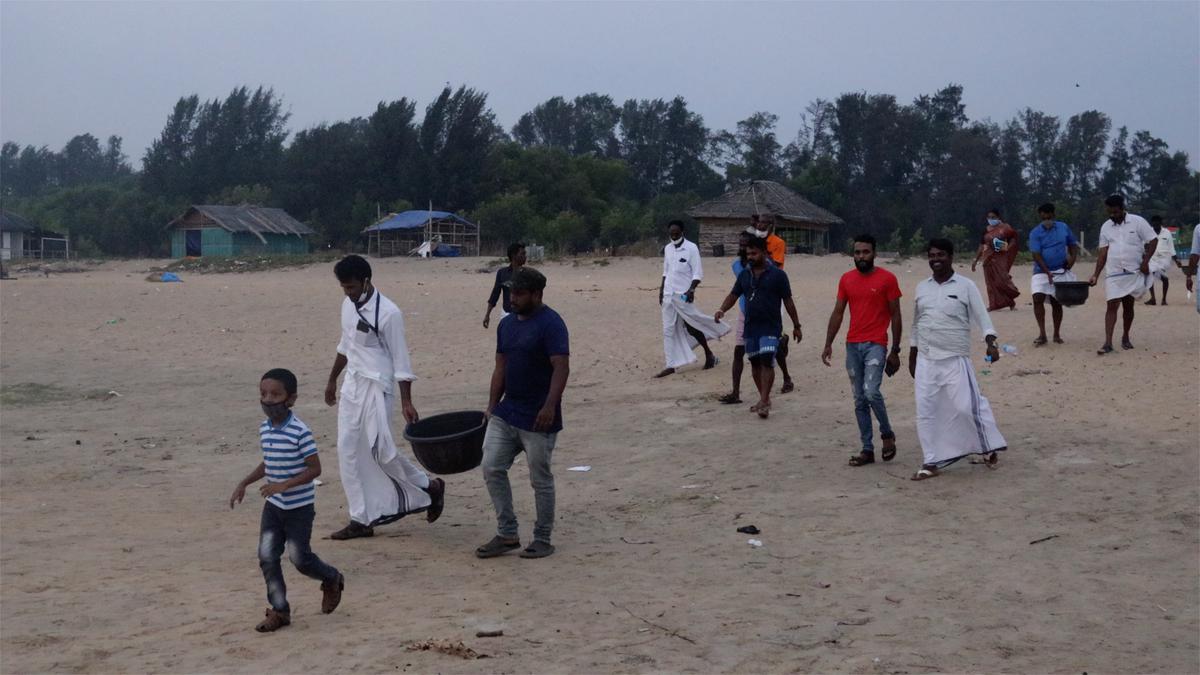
{"x":998,"y":250}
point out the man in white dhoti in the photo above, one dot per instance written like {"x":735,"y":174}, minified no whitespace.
{"x":684,"y":326}
{"x":1054,"y":250}
{"x":954,"y":420}
{"x":1163,"y":259}
{"x":381,"y":484}
{"x":1127,"y":242}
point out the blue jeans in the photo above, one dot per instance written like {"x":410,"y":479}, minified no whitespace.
{"x":864,"y":365}
{"x":501,"y":446}
{"x":293,"y":526}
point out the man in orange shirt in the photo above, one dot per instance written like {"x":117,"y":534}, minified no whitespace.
{"x":776,"y":246}
{"x":776,"y":250}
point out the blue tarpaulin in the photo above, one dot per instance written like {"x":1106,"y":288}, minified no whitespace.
{"x":445,"y":251}
{"x":413,"y":220}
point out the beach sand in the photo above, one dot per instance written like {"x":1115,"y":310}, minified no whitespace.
{"x":119,"y":553}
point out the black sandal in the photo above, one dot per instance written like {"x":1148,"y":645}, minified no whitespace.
{"x":862,"y":459}
{"x":730,"y":398}
{"x":353,"y":531}
{"x":496,"y":547}
{"x":538,"y":549}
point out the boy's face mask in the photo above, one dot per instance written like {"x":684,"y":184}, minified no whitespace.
{"x":275,"y":410}
{"x":993,"y":221}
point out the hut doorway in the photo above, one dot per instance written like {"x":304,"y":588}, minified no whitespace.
{"x":192,"y":239}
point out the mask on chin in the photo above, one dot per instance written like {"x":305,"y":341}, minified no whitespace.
{"x":364,"y":295}
{"x":676,"y":240}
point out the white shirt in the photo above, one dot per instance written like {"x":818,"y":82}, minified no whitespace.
{"x":942,"y":317}
{"x":376,"y":355}
{"x":681,"y":266}
{"x":1166,"y":246}
{"x":1126,"y":243}
{"x":1196,"y":240}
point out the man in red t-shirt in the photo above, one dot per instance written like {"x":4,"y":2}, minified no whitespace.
{"x":874,"y":299}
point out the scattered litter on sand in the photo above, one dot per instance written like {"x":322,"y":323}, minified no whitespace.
{"x":756,"y":543}
{"x":580,"y":468}
{"x":446,"y":647}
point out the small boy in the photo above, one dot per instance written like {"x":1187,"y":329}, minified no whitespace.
{"x":290,"y":464}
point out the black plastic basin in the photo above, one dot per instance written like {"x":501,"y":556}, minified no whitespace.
{"x":1071,"y":293}
{"x":450,"y":442}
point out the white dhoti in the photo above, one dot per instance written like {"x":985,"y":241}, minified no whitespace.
{"x":381,"y":484}
{"x":1121,"y":284}
{"x":678,"y":344}
{"x":1040,"y":283}
{"x":953,"y":418}
{"x":1159,"y":267}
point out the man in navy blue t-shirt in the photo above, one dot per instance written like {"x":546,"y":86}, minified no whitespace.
{"x":525,"y":411}
{"x":764,"y":287}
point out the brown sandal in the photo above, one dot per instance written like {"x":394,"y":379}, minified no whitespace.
{"x":925,"y":473}
{"x":862,"y":459}
{"x":274,"y":621}
{"x":889,"y":448}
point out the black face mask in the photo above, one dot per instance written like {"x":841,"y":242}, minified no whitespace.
{"x":275,"y":411}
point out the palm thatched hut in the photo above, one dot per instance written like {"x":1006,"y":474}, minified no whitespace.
{"x":802,"y":224}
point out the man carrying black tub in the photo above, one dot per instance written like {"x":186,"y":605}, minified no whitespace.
{"x":525,"y":412}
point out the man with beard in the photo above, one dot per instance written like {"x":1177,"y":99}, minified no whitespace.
{"x":873,"y":295}
{"x":776,"y":252}
{"x":525,"y":412}
{"x":765,"y":287}
{"x":953,"y":419}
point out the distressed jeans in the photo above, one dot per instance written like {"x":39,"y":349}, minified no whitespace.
{"x":293,"y":526}
{"x":864,"y":365}
{"x":501,"y":446}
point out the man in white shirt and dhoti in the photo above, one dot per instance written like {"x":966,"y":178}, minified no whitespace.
{"x":381,"y":484}
{"x":684,"y":326}
{"x":1127,"y":243}
{"x":954,"y":420}
{"x":1163,"y":259}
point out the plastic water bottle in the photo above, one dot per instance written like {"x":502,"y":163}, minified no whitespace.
{"x":1008,"y":349}
{"x":988,"y":360}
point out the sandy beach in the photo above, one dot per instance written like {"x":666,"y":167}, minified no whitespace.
{"x":118,"y":552}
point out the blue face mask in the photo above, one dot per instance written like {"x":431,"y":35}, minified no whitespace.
{"x":993,"y":221}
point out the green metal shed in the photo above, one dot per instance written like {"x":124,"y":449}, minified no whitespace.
{"x":208,"y":229}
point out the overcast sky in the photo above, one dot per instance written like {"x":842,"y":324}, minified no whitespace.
{"x":117,"y":68}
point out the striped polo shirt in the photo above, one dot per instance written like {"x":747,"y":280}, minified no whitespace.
{"x":284,"y":449}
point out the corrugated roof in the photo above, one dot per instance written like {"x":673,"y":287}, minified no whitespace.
{"x":11,"y":222}
{"x":414,"y":219}
{"x":764,"y":196}
{"x":257,"y":220}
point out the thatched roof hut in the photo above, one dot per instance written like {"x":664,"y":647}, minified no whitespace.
{"x":802,"y":224}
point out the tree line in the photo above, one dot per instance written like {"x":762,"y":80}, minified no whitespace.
{"x":588,"y":172}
